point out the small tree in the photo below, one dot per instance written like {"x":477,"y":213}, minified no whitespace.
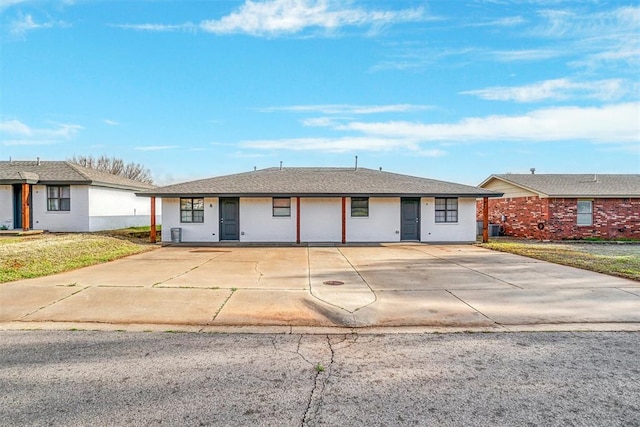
{"x":115,"y":166}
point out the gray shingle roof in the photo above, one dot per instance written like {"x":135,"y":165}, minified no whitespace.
{"x":575,"y":185}
{"x":62,"y":172}
{"x":318,"y":182}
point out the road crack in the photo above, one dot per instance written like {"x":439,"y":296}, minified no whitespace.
{"x":320,"y":380}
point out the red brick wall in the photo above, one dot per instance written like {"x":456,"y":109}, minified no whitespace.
{"x":522,"y":216}
{"x":612,"y":218}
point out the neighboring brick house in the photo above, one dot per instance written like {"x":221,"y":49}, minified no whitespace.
{"x":563,"y":206}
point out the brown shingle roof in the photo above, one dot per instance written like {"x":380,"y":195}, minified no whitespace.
{"x":575,"y":185}
{"x":318,"y":182}
{"x":62,"y":172}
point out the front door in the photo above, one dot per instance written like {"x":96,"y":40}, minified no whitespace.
{"x":230,"y":219}
{"x":410,"y":224}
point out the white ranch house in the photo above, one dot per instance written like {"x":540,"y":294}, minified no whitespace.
{"x":61,"y":196}
{"x":312,"y":205}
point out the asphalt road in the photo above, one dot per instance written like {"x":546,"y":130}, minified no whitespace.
{"x":127,"y":378}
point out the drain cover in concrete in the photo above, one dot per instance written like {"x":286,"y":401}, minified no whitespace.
{"x":333,"y":282}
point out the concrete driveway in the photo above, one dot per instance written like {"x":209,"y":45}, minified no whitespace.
{"x":460,"y":287}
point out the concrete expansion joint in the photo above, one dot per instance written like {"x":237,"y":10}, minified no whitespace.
{"x":472,"y":307}
{"x":222,"y":305}
{"x":184,"y":272}
{"x":54,"y":302}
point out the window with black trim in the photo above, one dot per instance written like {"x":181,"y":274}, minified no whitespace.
{"x":282,"y":206}
{"x":447,"y":209}
{"x":192,"y":209}
{"x":58,"y":198}
{"x":359,"y":206}
{"x":585,"y":212}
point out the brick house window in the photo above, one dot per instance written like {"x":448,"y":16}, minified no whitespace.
{"x":585,"y":212}
{"x":446,"y":209}
{"x":58,"y":198}
{"x":359,"y":206}
{"x":192,"y":209}
{"x":282,"y":206}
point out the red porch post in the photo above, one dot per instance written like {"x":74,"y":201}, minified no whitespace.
{"x":298,"y":220}
{"x":485,"y":220}
{"x":152,"y":233}
{"x":344,"y":220}
{"x":25,"y":207}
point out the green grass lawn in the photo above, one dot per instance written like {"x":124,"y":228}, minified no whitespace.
{"x":41,"y":255}
{"x":616,"y":260}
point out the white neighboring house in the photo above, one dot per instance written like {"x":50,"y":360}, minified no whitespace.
{"x":303,"y":205}
{"x":65,"y":197}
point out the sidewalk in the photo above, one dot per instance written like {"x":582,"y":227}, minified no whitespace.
{"x":392,"y":287}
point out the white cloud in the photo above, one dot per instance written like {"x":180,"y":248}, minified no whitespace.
{"x":525,"y":54}
{"x":26,"y":23}
{"x":509,"y":21}
{"x":111,"y":122}
{"x":188,"y":26}
{"x":346,"y":109}
{"x":8,"y":3}
{"x":603,"y":38}
{"x":14,"y":132}
{"x":616,"y":124}
{"x":156,"y":147}
{"x":14,"y":127}
{"x":276,"y":17}
{"x":557,"y":89}
{"x":334,"y":145}
{"x":293,"y":16}
{"x":319,"y":122}
{"x":577,"y":24}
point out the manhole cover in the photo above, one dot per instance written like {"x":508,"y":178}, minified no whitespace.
{"x":333,"y":282}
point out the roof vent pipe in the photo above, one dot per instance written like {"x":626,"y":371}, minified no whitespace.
{"x":38,"y":161}
{"x":254,"y":168}
{"x":356,"y":162}
{"x":533,"y":171}
{"x":380,"y":168}
{"x":280,"y":164}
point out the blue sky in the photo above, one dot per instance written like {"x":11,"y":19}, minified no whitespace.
{"x":451,"y":90}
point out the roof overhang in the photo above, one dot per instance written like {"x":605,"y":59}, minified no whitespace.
{"x":20,"y":178}
{"x":316,"y":195}
{"x":524,"y":187}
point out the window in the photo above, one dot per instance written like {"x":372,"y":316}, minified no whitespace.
{"x":585,"y":212}
{"x":58,"y":198}
{"x":282,"y":206}
{"x":446,"y":210}
{"x":192,"y":209}
{"x":359,"y":206}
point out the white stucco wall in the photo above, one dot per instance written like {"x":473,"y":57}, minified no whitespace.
{"x":382,"y":224}
{"x":206,"y":231}
{"x":257,"y":223}
{"x":321,"y":219}
{"x":111,"y":208}
{"x":75,"y":220}
{"x":462,"y":231}
{"x":6,"y":206}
